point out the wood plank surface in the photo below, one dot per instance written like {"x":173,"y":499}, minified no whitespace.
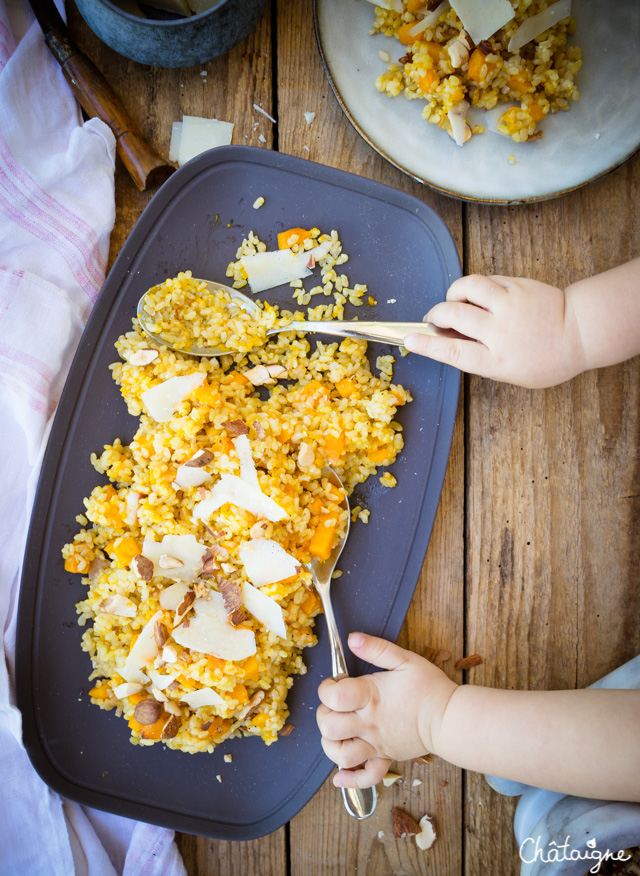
{"x":552,"y":554}
{"x":534,"y":558}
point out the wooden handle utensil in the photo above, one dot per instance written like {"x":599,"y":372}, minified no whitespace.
{"x":96,"y":97}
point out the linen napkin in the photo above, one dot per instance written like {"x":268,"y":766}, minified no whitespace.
{"x":56,"y":215}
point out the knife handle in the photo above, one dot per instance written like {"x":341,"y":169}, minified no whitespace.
{"x":96,"y":97}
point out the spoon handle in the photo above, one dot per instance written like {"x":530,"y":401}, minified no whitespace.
{"x":359,"y":802}
{"x":387,"y":332}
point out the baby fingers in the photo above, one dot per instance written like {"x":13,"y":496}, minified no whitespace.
{"x":367,"y":776}
{"x":345,"y":695}
{"x":337,"y":725}
{"x":348,"y":753}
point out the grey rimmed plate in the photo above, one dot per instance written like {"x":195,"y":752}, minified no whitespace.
{"x":599,"y":133}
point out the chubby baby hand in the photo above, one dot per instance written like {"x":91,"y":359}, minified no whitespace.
{"x":369,"y":721}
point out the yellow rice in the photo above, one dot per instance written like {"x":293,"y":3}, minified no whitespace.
{"x":334,"y":407}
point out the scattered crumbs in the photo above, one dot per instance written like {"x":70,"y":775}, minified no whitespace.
{"x":512,"y":159}
{"x":597,"y":136}
{"x":380,"y":834}
{"x":254,"y":125}
{"x":203,"y":72}
{"x":371,"y":301}
{"x":388,"y":480}
{"x":82,"y":520}
{"x":309,"y":117}
{"x":264,"y":113}
{"x":258,"y":203}
{"x":306,"y":147}
{"x":262,"y":138}
{"x":384,"y":56}
{"x":391,"y":300}
{"x":182,"y":85}
{"x":416,"y":782}
{"x":337,"y":574}
{"x":228,"y":758}
{"x":219,"y":777}
{"x":479,"y":802}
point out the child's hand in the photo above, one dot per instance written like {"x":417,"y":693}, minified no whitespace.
{"x":514,"y":330}
{"x":369,"y":721}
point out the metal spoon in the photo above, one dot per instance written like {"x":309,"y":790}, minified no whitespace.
{"x":385,"y":332}
{"x":359,"y":802}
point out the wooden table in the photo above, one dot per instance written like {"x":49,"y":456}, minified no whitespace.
{"x":535,"y":555}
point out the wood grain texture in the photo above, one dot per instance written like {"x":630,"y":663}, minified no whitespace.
{"x":552,"y":488}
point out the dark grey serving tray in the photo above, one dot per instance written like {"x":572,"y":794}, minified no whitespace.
{"x":402,"y":250}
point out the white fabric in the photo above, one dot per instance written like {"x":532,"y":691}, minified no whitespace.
{"x":56,"y":214}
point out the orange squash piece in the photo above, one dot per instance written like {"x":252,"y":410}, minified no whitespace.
{"x":428,"y":79}
{"x":335,"y":445}
{"x":322,"y":541}
{"x":291,"y":237}
{"x":477,"y":60}
{"x":126,"y":549}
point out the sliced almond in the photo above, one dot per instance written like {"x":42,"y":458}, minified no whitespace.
{"x":258,"y":375}
{"x":185,"y":605}
{"x":231,"y":593}
{"x":119,"y":605}
{"x":306,"y":455}
{"x":237,"y":617}
{"x":142,"y":567}
{"x":143,"y":357}
{"x":469,"y":662}
{"x":261,"y":529}
{"x":169,"y":654}
{"x":160,"y":634}
{"x":252,"y":706}
{"x":167,"y":562}
{"x":236,"y":427}
{"x":402,"y":824}
{"x":277,"y":372}
{"x":170,"y":728}
{"x":427,"y":836}
{"x":147,"y":711}
{"x":286,"y":730}
{"x":202,"y":457}
{"x":173,"y":708}
{"x":98,"y":565}
{"x":390,"y":779}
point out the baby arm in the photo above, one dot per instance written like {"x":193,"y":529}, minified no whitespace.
{"x":581,"y":742}
{"x":532,"y":334}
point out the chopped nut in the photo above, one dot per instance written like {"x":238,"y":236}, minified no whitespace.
{"x":199,"y":459}
{"x":142,"y":567}
{"x":119,"y":605}
{"x":252,"y":705}
{"x":390,"y":778}
{"x":143,"y":357}
{"x":406,"y":59}
{"x":201,"y":590}
{"x":206,"y":725}
{"x":228,"y":568}
{"x":468,"y":662}
{"x":416,"y":783}
{"x":219,"y":552}
{"x":173,"y":708}
{"x":170,"y":728}
{"x":277,"y":372}
{"x":231,"y":593}
{"x":187,"y":601}
{"x":169,"y":654}
{"x":147,"y":711}
{"x":466,"y":40}
{"x":158,"y":695}
{"x":236,"y":617}
{"x":167,"y":562}
{"x":228,"y":758}
{"x":458,"y":53}
{"x":402,"y":824}
{"x":486,"y":47}
{"x":259,"y":430}
{"x":236,"y":427}
{"x":537,"y":136}
{"x":427,"y":836}
{"x":306,"y":456}
{"x":98,"y":565}
{"x":286,"y":730}
{"x":258,"y":375}
{"x":160,"y":634}
{"x":261,"y":529}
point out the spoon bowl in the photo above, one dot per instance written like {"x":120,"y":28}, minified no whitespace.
{"x":368,"y":330}
{"x":359,"y":802}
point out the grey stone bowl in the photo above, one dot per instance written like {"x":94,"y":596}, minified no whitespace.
{"x":172,"y":41}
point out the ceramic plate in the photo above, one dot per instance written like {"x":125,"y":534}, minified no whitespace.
{"x":600,"y":132}
{"x":197,"y":220}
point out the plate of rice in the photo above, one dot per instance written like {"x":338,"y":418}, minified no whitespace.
{"x":171,"y":641}
{"x":488,"y":101}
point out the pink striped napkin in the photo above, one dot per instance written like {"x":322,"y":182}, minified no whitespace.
{"x":56,"y":215}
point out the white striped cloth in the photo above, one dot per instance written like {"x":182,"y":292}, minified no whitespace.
{"x":56,"y":214}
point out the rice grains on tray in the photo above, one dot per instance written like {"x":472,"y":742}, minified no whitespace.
{"x":193,"y":552}
{"x":440,"y":63}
